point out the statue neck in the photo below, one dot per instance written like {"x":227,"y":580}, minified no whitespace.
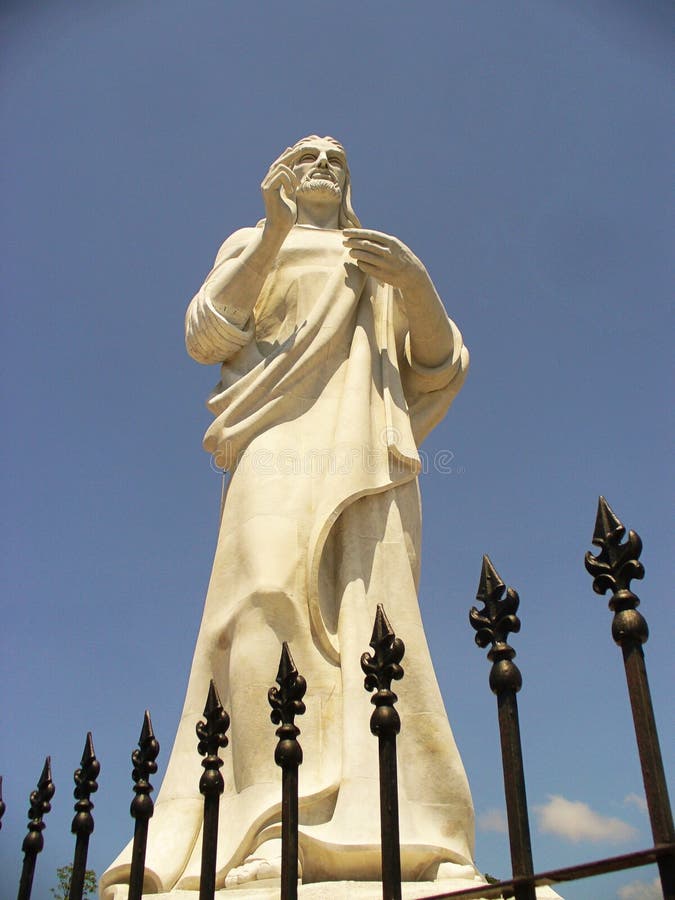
{"x":317,"y":213}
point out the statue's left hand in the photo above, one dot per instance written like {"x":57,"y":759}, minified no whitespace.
{"x":385,"y":258}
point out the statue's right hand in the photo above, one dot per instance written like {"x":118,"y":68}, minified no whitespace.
{"x":278,"y":190}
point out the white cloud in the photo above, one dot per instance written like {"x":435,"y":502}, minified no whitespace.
{"x":576,"y":821}
{"x":641,"y":890}
{"x":493,"y":820}
{"x":636,"y":800}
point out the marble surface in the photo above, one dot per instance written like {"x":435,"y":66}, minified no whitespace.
{"x":336,"y":359}
{"x":334,"y":890}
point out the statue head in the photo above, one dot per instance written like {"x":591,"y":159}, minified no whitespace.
{"x":312,"y":145}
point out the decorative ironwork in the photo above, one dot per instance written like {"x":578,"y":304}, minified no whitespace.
{"x":381,"y":668}
{"x":33,"y":843}
{"x":83,"y":821}
{"x":211,"y":733}
{"x":286,"y":703}
{"x":613,"y":569}
{"x":143,"y":758}
{"x":492,"y":624}
{"x":142,"y":806}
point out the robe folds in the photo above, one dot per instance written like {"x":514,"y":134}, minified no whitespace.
{"x":318,"y":416}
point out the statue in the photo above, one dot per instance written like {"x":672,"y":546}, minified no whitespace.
{"x":337,"y":359}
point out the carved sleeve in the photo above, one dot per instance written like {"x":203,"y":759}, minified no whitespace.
{"x":215,"y":333}
{"x":425,"y":378}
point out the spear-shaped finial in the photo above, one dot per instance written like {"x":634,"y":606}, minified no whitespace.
{"x":286,"y":702}
{"x":493,"y":623}
{"x":143,"y":759}
{"x":85,"y":785}
{"x":617,"y":564}
{"x":40,"y":805}
{"x":212,"y":731}
{"x":212,"y":736}
{"x":34,"y":840}
{"x":383,"y":665}
{"x":2,"y":803}
{"x":607,"y":524}
{"x":490,"y":586}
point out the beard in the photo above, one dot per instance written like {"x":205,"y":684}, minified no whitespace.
{"x":325,"y":186}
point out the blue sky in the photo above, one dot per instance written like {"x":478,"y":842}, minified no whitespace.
{"x":522,"y":150}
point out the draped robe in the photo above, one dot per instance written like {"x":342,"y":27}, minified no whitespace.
{"x":318,"y":416}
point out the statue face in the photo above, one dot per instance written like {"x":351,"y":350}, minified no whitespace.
{"x":321,"y":166}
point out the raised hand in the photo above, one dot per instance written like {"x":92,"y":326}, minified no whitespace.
{"x":278,"y":190}
{"x":385,"y":258}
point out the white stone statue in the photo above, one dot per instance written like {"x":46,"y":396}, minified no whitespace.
{"x":337,"y":359}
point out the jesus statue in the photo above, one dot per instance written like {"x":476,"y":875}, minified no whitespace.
{"x":336,"y":360}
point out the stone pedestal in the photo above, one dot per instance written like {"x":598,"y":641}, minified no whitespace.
{"x":332,"y":890}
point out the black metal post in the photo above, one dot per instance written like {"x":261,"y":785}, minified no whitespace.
{"x":34,"y":841}
{"x":286,"y":703}
{"x":83,"y":821}
{"x":2,"y":803}
{"x":142,"y":806}
{"x":381,"y":668}
{"x":211,"y":734}
{"x":613,"y":569}
{"x":492,"y":624}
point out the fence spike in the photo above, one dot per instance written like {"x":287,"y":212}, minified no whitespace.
{"x":617,"y":564}
{"x":2,"y":803}
{"x":286,"y":702}
{"x":381,"y":668}
{"x":286,"y":699}
{"x":490,"y":584}
{"x":33,"y":843}
{"x":606,"y":523}
{"x":496,"y":620}
{"x":142,"y":806}
{"x":493,"y":624}
{"x":83,"y":821}
{"x":211,"y":733}
{"x":613,"y":569}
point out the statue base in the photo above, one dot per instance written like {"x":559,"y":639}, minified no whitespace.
{"x":269,"y":889}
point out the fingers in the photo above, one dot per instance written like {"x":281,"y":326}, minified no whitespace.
{"x":284,"y":157}
{"x":374,"y":259}
{"x":375,"y":253}
{"x":385,"y":257}
{"x":354,"y":244}
{"x":372,"y":265}
{"x":372,"y":269}
{"x":273,"y":175}
{"x":382,"y":256}
{"x":280,"y":176}
{"x":368,"y":234}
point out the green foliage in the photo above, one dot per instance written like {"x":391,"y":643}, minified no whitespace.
{"x":64,"y":874}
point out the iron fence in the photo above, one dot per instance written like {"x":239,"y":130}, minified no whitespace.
{"x":613,"y":569}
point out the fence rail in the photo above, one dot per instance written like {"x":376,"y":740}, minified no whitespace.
{"x":613,"y":569}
